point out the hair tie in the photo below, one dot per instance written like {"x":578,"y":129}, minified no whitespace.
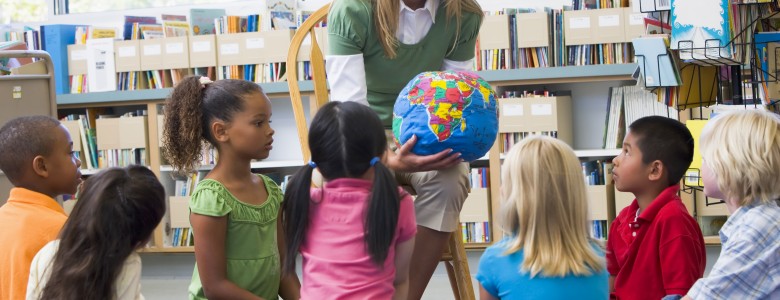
{"x":204,"y":81}
{"x":312,"y":164}
{"x":374,"y":160}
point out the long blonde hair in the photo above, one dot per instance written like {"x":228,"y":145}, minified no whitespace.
{"x":386,"y":14}
{"x":546,"y":209}
{"x":743,"y":149}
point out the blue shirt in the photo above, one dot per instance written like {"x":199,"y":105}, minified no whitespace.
{"x":501,"y":276}
{"x":749,"y":262}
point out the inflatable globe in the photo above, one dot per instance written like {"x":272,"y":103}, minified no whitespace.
{"x":447,"y":110}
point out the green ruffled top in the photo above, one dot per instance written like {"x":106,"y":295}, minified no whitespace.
{"x":250,"y":246}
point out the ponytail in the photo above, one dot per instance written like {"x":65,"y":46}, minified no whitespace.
{"x":295,"y":215}
{"x":382,"y":216}
{"x":184,"y":124}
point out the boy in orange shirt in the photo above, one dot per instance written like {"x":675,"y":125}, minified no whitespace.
{"x":655,"y":249}
{"x":37,"y":157}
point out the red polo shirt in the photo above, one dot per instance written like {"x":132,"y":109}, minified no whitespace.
{"x":661,"y":253}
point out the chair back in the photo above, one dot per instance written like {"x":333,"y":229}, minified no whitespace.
{"x":317,"y":65}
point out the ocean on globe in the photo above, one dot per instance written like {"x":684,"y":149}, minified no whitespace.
{"x":447,"y":110}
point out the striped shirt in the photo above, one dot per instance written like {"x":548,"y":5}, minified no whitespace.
{"x":749,"y":262}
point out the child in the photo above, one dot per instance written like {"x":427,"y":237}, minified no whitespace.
{"x":356,"y":234}
{"x":741,"y":152}
{"x":233,"y":212}
{"x":548,"y":253}
{"x":37,"y":158}
{"x":655,"y":248}
{"x":95,"y":258}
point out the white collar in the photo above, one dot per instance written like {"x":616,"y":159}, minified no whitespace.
{"x":430,"y":5}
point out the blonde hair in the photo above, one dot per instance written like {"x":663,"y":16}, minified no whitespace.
{"x":546,"y":209}
{"x":743,"y":149}
{"x":386,"y":14}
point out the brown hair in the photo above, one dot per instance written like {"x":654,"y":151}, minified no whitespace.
{"x":116,"y":213}
{"x":189,"y":111}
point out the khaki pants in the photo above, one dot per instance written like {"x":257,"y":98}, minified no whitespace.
{"x":440,"y":193}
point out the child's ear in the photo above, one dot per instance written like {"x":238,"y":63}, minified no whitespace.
{"x":219,"y":130}
{"x":39,"y":166}
{"x":656,"y":170}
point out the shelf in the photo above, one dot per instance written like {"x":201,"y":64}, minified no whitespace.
{"x":87,"y":172}
{"x":254,"y":165}
{"x":588,"y":153}
{"x":568,"y":74}
{"x":188,"y":249}
{"x":476,"y":246}
{"x":597,"y":152}
{"x":272,"y":89}
{"x":525,"y":76}
{"x":712,"y":240}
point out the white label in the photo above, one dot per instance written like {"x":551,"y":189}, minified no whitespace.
{"x":579,"y":23}
{"x":636,"y":19}
{"x":202,"y":46}
{"x":228,"y":49}
{"x":126,"y":51}
{"x":512,"y":109}
{"x":541,"y":109}
{"x":78,"y":55}
{"x":152,"y":49}
{"x":255,"y":43}
{"x":609,"y":21}
{"x":174,"y":48}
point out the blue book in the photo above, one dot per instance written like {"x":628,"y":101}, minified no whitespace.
{"x":55,"y":39}
{"x":655,"y":62}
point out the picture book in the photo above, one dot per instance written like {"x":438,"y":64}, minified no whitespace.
{"x":700,"y":29}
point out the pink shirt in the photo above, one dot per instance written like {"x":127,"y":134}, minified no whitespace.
{"x":336,"y":264}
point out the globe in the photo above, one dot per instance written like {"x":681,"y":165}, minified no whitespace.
{"x":447,"y":110}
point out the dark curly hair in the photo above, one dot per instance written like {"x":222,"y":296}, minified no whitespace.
{"x":189,"y":111}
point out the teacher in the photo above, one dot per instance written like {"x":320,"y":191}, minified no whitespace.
{"x":375,"y":48}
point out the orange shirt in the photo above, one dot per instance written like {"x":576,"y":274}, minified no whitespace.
{"x":28,"y":221}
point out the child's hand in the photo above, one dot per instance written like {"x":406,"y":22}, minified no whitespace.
{"x":407,"y":161}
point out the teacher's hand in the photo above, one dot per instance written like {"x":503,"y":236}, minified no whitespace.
{"x":406,"y":161}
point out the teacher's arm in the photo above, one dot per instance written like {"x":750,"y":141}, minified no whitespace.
{"x":347,"y":30}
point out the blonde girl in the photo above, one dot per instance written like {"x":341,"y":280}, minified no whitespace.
{"x":548,"y":253}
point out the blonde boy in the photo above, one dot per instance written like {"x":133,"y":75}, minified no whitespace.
{"x":741,"y":152}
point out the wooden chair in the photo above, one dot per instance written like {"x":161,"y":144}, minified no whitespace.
{"x":454,"y":256}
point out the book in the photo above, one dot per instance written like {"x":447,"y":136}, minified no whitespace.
{"x":55,"y":40}
{"x":202,"y":20}
{"x":700,"y":29}
{"x":131,"y":20}
{"x":281,"y":14}
{"x":7,"y":63}
{"x":655,"y":62}
{"x":699,"y":86}
{"x":101,"y":72}
{"x":693,"y":175}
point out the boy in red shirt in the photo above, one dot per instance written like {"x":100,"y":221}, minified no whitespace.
{"x":655,"y":248}
{"x":37,"y":157}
